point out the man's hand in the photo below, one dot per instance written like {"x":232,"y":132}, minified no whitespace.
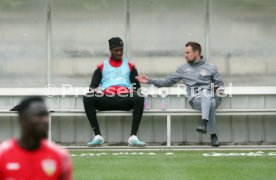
{"x":219,"y":90}
{"x":93,"y":91}
{"x":142,"y":79}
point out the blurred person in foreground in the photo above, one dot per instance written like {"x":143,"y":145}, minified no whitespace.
{"x":31,"y":156}
{"x":203,"y":87}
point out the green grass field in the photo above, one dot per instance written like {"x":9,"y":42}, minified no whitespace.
{"x":186,"y":165}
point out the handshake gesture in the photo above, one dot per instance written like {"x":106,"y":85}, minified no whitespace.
{"x":142,"y":79}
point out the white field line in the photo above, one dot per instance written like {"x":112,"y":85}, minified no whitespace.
{"x":210,"y":154}
{"x":119,"y":154}
{"x":175,"y":148}
{"x":259,"y":153}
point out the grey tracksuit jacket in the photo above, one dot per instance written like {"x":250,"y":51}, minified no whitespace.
{"x":194,"y":75}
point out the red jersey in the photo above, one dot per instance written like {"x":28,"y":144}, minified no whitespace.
{"x":49,"y":161}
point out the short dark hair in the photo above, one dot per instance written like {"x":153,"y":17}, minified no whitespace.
{"x":195,"y":46}
{"x":25,"y":104}
{"x":115,"y":42}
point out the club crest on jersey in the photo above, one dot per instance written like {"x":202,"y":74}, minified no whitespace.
{"x":13,"y":166}
{"x":49,"y":166}
{"x":203,"y":72}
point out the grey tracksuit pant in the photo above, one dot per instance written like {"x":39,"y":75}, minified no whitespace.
{"x":197,"y":75}
{"x":207,"y":104}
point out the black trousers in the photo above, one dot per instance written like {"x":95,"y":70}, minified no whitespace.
{"x":105,"y":103}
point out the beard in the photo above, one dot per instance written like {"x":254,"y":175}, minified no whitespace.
{"x":191,"y":61}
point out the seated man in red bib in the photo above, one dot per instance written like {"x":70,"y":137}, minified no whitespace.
{"x":116,"y":78}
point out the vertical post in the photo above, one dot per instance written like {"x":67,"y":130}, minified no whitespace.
{"x":207,"y":30}
{"x":127,"y":33}
{"x":168,"y":130}
{"x":49,"y":58}
{"x":263,"y":128}
{"x":50,"y":129}
{"x":49,"y":41}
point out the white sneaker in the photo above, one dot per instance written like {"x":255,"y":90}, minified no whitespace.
{"x":134,"y":141}
{"x":98,"y":140}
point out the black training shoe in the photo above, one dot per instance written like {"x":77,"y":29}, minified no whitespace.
{"x":203,"y":127}
{"x":214,"y":140}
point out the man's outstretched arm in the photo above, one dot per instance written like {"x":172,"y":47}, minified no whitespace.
{"x":165,"y":82}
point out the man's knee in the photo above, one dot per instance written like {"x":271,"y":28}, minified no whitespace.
{"x":88,"y":99}
{"x":138,"y":99}
{"x":213,"y":103}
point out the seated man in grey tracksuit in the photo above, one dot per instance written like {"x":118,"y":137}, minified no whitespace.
{"x":203,"y":83}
